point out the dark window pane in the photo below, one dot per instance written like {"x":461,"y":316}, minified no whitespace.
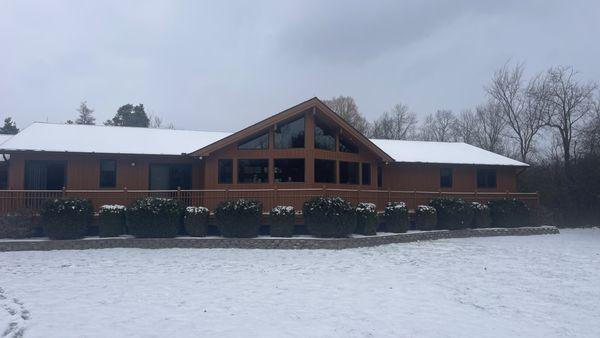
{"x":348,"y":172}
{"x":324,"y":171}
{"x":290,"y":134}
{"x":259,"y":142}
{"x":44,"y":175}
{"x":486,"y":178}
{"x":4,"y":176}
{"x":446,"y":178}
{"x":379,"y":177}
{"x":108,"y":173}
{"x":253,"y":171}
{"x":225,"y":171}
{"x":366,"y":173}
{"x":289,"y":170}
{"x":170,"y":176}
{"x":324,"y":137}
{"x":347,"y":146}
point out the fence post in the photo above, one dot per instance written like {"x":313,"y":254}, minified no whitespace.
{"x":324,"y":192}
{"x":179,"y":193}
{"x":389,"y":199}
{"x":357,"y":196}
{"x":274,"y":204}
{"x":64,"y":191}
{"x":227,"y":194}
{"x":126,"y":199}
{"x":414,"y":198}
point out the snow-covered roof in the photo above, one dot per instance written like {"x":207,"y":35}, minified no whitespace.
{"x":4,"y":138}
{"x":442,"y":152}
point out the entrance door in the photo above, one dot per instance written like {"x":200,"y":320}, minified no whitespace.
{"x":45,"y":175}
{"x":170,"y":176}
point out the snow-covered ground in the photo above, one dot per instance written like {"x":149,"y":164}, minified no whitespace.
{"x":535,"y":286}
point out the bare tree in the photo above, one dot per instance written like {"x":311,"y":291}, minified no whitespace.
{"x":491,"y":126}
{"x":397,"y":124}
{"x":155,"y":121}
{"x":467,"y":128}
{"x":86,"y":114}
{"x":439,"y":127}
{"x":347,"y":109}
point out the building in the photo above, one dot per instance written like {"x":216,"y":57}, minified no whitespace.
{"x":304,"y":148}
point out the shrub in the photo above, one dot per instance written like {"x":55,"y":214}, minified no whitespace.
{"x":66,"y":218}
{"x":111,"y":220}
{"x":509,"y":212}
{"x":481,"y":215}
{"x":282,"y":220}
{"x":195,"y":221}
{"x":21,"y":224}
{"x":396,"y":217}
{"x":452,"y":213}
{"x":426,"y":217}
{"x":154,"y":217}
{"x":239,"y":218}
{"x":366,"y":219}
{"x":329,"y":217}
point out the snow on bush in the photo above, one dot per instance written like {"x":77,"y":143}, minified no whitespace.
{"x":195,"y":221}
{"x":396,"y":217}
{"x":66,"y":218}
{"x":481,"y":215}
{"x":452,"y":213}
{"x":239,"y":218}
{"x":425,"y":217}
{"x":112,"y":209}
{"x":195,"y":210}
{"x":366,"y":219}
{"x":282,"y":219}
{"x":111,"y":220}
{"x":155,"y":217}
{"x":329,"y":217}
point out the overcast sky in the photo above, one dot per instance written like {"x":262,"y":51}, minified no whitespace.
{"x":217,"y":66}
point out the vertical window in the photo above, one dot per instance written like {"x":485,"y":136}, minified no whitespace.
{"x":170,"y":176}
{"x":324,"y":171}
{"x":289,"y":170}
{"x":379,"y":177}
{"x":45,"y":175}
{"x":446,"y":178}
{"x":324,"y":137}
{"x":253,"y":171}
{"x":256,"y":143}
{"x":108,"y":173}
{"x":3,"y":176}
{"x":347,"y":146}
{"x":486,"y":178}
{"x":366,"y":173}
{"x":348,"y":172}
{"x":290,"y":134}
{"x":225,"y":171}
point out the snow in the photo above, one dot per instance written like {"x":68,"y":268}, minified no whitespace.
{"x":533,"y":286}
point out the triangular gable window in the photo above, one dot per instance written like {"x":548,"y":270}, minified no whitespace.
{"x":257,"y":143}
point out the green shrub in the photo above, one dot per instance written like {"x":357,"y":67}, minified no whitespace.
{"x":426,"y":217}
{"x":239,"y":218}
{"x":111,"y":220}
{"x":195,"y":221}
{"x":452,"y":213}
{"x":66,"y":218}
{"x":509,"y":212}
{"x":396,"y":217}
{"x":329,"y":217}
{"x":282,"y":220}
{"x":366,"y":219}
{"x":481,"y":215}
{"x":153,"y":217}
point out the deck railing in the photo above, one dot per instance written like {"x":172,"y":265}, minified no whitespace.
{"x":16,"y":200}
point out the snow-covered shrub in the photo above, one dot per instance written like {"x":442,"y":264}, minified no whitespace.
{"x":282,"y":219}
{"x":366,"y":219}
{"x":452,"y":213}
{"x":509,"y":212}
{"x":195,"y":221}
{"x":396,"y":217}
{"x":66,"y":218}
{"x":239,"y":218}
{"x":426,"y":217}
{"x":329,"y":217}
{"x":111,"y":220}
{"x":481,"y":215}
{"x":154,"y":217}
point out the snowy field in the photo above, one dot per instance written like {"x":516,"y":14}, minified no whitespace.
{"x":535,"y":286}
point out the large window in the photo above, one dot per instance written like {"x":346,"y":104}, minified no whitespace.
{"x":324,"y":137}
{"x":289,"y":170}
{"x":486,"y":178}
{"x":170,"y":176}
{"x":366,"y":173}
{"x":347,"y":146}
{"x":256,"y":143}
{"x":324,"y":171}
{"x":226,"y":171}
{"x":379,"y":177}
{"x":446,"y":178}
{"x":348,"y":172}
{"x":253,"y":171}
{"x":290,"y":134}
{"x":45,"y":175}
{"x":108,"y":173}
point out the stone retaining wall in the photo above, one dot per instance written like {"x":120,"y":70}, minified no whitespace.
{"x":263,"y":243}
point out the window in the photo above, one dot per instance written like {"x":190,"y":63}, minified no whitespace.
{"x":45,"y":175}
{"x":348,"y":172}
{"x":379,"y":177}
{"x":108,"y":173}
{"x":324,"y":171}
{"x":347,"y":146}
{"x":366,"y":173}
{"x":225,"y":171}
{"x":324,"y":137}
{"x":290,"y":134}
{"x":289,"y":170}
{"x":253,"y":171}
{"x":445,"y":178}
{"x":170,"y":176}
{"x":486,"y":178}
{"x":4,"y":176}
{"x":256,"y":143}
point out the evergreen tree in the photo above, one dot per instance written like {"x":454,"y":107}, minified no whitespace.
{"x":85,"y":114}
{"x":10,"y":127}
{"x":130,"y":116}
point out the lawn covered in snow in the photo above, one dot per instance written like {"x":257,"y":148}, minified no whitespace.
{"x":534,"y":286}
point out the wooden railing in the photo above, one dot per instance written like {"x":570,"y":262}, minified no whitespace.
{"x":16,"y":200}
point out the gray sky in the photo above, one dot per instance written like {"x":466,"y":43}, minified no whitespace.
{"x":217,"y":66}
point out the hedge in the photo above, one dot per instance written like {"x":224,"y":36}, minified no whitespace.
{"x":329,"y":217}
{"x":481,"y":215}
{"x":154,"y":217}
{"x":282,"y":220}
{"x":111,"y":220}
{"x":426,"y":217}
{"x":452,"y":213}
{"x":366,"y":219}
{"x":66,"y":218}
{"x":195,"y":221}
{"x":396,"y":217}
{"x":239,"y":218}
{"x":509,"y":212}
